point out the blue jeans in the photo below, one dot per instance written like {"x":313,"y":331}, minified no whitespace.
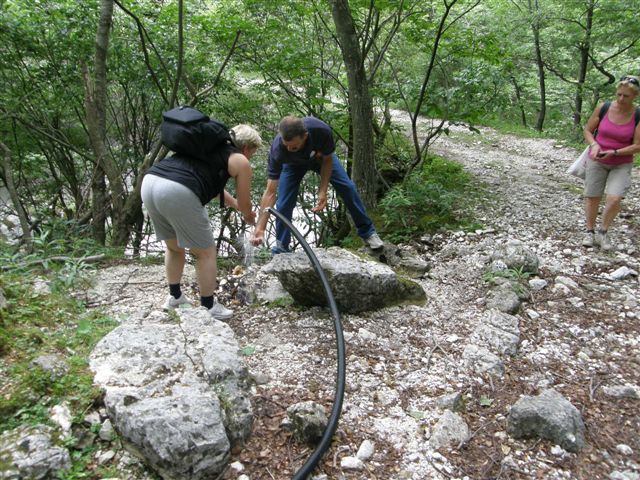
{"x":289,"y":186}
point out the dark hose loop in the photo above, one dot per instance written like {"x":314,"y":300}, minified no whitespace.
{"x":322,"y":447}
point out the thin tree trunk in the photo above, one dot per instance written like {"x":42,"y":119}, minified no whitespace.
{"x":523,"y":114}
{"x":585,"y":48}
{"x":95,"y":105}
{"x":535,"y":26}
{"x":15,"y":198}
{"x":360,"y":105}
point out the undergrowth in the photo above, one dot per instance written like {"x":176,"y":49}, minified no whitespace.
{"x":41,"y":316}
{"x":431,"y":199}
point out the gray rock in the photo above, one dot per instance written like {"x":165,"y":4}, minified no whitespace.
{"x":481,"y":360}
{"x":537,"y":284}
{"x":622,"y":273}
{"x":3,"y":300}
{"x":625,"y":475}
{"x":451,"y":429}
{"x":357,"y":284}
{"x":450,"y":401}
{"x":54,"y":365}
{"x":623,"y":391}
{"x":309,"y":421}
{"x":504,"y":299}
{"x":258,"y":286}
{"x":566,"y":281}
{"x":516,"y":256}
{"x":549,"y":416}
{"x":177,"y":392}
{"x":30,"y":453}
{"x":499,"y":331}
{"x":106,"y":432}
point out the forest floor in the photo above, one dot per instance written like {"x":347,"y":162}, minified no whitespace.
{"x":576,"y":340}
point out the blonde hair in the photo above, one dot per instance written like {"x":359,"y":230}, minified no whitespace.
{"x":630,"y":81}
{"x":246,"y":136}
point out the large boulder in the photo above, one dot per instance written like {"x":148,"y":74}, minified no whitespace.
{"x":32,"y":453}
{"x":549,"y":416}
{"x":357,"y":284}
{"x":176,"y":391}
{"x":514,"y":255}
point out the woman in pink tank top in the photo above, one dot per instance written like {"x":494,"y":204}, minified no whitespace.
{"x":611,"y":158}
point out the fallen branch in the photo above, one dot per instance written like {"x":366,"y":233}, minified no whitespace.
{"x":90,"y":259}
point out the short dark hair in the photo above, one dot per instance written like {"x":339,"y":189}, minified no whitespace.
{"x":291,"y":127}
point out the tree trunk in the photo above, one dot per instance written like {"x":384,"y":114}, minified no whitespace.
{"x":95,"y":105}
{"x":535,"y":26}
{"x":15,"y":198}
{"x":585,"y":48}
{"x":360,"y":105}
{"x":99,"y":206}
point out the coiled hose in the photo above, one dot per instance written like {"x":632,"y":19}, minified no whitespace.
{"x":332,"y":424}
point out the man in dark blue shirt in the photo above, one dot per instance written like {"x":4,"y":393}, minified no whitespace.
{"x":305,"y":144}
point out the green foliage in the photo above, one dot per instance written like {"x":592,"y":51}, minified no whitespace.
{"x":517,"y":274}
{"x":39,"y":322}
{"x":430,"y":199}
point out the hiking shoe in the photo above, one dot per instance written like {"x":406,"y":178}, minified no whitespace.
{"x":589,"y":239}
{"x":172,"y":303}
{"x":220,"y":312}
{"x":605,"y":241}
{"x":374,"y":242}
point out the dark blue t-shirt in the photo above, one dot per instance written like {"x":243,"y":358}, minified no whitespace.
{"x":320,"y":139}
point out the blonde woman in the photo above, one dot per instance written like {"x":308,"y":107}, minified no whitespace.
{"x":611,"y":159}
{"x":175,"y":192}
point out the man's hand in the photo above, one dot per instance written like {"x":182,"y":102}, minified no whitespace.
{"x":257,"y":238}
{"x":322,"y":202}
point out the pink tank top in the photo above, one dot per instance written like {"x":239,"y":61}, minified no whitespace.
{"x":613,"y":136}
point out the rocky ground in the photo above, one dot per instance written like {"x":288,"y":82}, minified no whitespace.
{"x":577,"y":337}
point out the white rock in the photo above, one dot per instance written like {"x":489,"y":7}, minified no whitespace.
{"x":351,"y":463}
{"x":621,"y":273}
{"x":61,"y":415}
{"x":624,"y":449}
{"x":237,"y":466}
{"x":532,"y":314}
{"x":366,"y":450}
{"x":537,"y":284}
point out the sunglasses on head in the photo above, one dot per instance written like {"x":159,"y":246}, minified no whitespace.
{"x":632,"y":80}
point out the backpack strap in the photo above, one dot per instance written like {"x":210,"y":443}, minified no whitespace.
{"x":604,"y":109}
{"x":637,"y":116}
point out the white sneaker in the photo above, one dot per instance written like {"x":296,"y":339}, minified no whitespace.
{"x":172,"y":303}
{"x":220,"y":312}
{"x":374,"y":242}
{"x":589,"y":239}
{"x":605,"y":241}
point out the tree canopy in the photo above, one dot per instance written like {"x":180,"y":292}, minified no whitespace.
{"x":83,"y":86}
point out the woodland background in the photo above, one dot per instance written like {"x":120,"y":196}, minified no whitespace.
{"x":84,"y":84}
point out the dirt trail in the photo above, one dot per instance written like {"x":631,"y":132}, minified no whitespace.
{"x":576,"y":340}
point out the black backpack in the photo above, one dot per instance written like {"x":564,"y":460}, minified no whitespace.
{"x":190,"y":133}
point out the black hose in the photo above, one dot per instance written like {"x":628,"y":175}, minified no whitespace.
{"x":322,"y":447}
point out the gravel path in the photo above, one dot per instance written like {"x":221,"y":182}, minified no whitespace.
{"x":577,"y":339}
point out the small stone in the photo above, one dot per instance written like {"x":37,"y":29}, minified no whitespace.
{"x":532,"y":314}
{"x":366,"y":450}
{"x":105,"y":457}
{"x":351,"y":463}
{"x":106,"y":431}
{"x":558,"y":451}
{"x":624,"y":449}
{"x":536,"y":284}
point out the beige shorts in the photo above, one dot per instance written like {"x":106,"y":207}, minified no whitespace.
{"x":613,"y":180}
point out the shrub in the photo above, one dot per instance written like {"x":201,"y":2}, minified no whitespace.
{"x":430,"y":199}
